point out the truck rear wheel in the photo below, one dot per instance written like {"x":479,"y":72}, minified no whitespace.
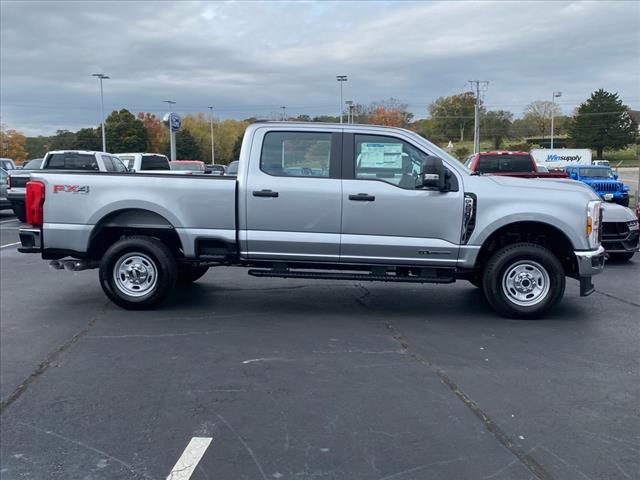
{"x":138,"y":273}
{"x":523,"y":280}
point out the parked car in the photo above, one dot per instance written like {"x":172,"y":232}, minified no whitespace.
{"x":79,"y":160}
{"x":144,"y":162}
{"x":620,"y":234}
{"x":602,"y":180}
{"x":381,"y":204}
{"x":33,"y":164}
{"x":214,"y":169}
{"x":195,"y":166}
{"x":601,"y":163}
{"x":232,"y":168}
{"x":5,"y":204}
{"x":7,"y":164}
{"x":512,"y":164}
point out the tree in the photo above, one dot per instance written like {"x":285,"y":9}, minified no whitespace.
{"x":187,"y":147}
{"x":12,"y":145}
{"x":37,"y":146}
{"x":235,"y":153}
{"x":391,"y":113}
{"x":88,"y":139}
{"x":454,"y":115}
{"x":496,"y":126}
{"x":227,"y":134}
{"x":538,"y":113}
{"x":603,"y":121}
{"x":157,"y":133}
{"x":63,"y":140}
{"x":125,"y":133}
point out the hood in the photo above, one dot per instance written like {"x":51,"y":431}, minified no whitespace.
{"x":612,"y":212}
{"x":553,"y":184}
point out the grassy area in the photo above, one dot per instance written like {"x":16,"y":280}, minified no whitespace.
{"x":629,"y":157}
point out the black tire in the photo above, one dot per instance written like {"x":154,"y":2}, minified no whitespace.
{"x":512,"y":270}
{"x":188,"y":274}
{"x":153,"y":262}
{"x":20,"y":211}
{"x":622,"y":256}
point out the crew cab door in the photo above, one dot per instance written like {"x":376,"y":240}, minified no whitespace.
{"x":293,"y":196}
{"x":385,"y":218}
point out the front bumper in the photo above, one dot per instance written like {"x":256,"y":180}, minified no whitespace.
{"x":31,"y":240}
{"x":590,"y":263}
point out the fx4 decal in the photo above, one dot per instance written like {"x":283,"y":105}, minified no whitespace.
{"x":83,"y":189}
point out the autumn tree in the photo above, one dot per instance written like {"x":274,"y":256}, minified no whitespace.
{"x":603,"y":121}
{"x":157,"y":133}
{"x":454,"y":115}
{"x":390,"y":113}
{"x":125,"y":133}
{"x":538,"y":113}
{"x":12,"y":145}
{"x":496,"y":125}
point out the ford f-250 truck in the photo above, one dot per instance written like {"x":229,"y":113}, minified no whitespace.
{"x":326,"y":201}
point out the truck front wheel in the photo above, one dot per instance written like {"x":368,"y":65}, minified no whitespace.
{"x":523,"y":280}
{"x":138,"y":273}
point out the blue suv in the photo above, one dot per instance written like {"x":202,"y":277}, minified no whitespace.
{"x":602,"y":179}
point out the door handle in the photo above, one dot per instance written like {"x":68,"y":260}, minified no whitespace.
{"x":362,"y":197}
{"x":265,"y":193}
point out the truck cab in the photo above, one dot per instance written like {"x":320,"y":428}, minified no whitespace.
{"x":602,"y":180}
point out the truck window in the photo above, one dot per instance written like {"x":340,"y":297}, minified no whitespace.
{"x":296,"y":154}
{"x":127,"y":160}
{"x":72,"y":161}
{"x":505,"y":163}
{"x":388,"y":159}
{"x":118,"y":165}
{"x":108,"y":164}
{"x":154,"y":162}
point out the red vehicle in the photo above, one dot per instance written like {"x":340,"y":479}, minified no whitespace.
{"x":511,"y":164}
{"x":187,"y":165}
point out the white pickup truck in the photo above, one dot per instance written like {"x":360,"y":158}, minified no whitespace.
{"x":327,"y":201}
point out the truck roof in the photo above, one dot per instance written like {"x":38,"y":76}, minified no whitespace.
{"x":90,"y":152}
{"x":504,"y":152}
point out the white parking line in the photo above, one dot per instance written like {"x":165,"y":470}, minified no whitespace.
{"x":9,"y":245}
{"x":10,"y":220}
{"x":189,"y":459}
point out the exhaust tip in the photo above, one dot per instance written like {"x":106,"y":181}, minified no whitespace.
{"x":56,"y":265}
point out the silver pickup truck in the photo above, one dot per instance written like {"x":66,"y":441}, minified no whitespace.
{"x":323,"y":201}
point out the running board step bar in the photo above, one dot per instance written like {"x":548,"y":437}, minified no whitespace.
{"x":366,"y":277}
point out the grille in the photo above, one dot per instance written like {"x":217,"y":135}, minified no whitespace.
{"x":606,"y":187}
{"x":614,"y":230}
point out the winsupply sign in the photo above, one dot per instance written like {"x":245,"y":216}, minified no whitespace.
{"x":561,"y":157}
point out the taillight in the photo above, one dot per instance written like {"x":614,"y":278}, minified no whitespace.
{"x":34,"y":203}
{"x":9,"y":181}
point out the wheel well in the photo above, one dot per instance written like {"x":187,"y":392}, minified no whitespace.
{"x":539,"y":233}
{"x":129,"y":222}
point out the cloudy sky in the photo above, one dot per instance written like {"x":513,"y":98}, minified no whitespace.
{"x":249,"y":58}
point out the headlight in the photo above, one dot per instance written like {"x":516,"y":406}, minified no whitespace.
{"x":594,"y":223}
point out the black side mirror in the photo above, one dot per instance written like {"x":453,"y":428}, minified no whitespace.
{"x":433,"y":175}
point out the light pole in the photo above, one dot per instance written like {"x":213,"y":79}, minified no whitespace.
{"x":172,"y":134}
{"x":553,"y":107}
{"x":284,"y":113}
{"x":213,"y":154}
{"x":349,"y":104}
{"x":341,"y":79}
{"x":102,"y":76}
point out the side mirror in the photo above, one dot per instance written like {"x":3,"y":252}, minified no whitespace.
{"x":433,"y":174}
{"x":615,"y":176}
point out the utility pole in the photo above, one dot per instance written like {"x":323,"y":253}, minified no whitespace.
{"x":102,"y":76}
{"x":341,"y":79}
{"x":284,"y":113}
{"x":476,"y":121}
{"x":213,"y":154}
{"x":349,"y":104}
{"x":553,"y":106}
{"x":172,"y":134}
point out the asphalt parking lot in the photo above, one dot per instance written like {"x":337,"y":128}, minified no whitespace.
{"x":314,"y":380}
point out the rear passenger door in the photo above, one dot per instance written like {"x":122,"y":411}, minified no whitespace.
{"x":293,"y":196}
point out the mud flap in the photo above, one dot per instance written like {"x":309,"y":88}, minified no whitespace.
{"x":586,"y":287}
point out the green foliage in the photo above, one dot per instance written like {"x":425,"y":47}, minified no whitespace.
{"x":88,"y":139}
{"x":125,"y":133}
{"x":603,"y":121}
{"x":461,"y":153}
{"x":236,"y":149}
{"x":36,"y":147}
{"x":538,"y":115}
{"x":187,"y":147}
{"x":453,"y":116}
{"x":63,"y":140}
{"x":496,"y":126}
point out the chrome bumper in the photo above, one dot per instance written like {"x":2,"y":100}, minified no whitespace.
{"x":590,"y":262}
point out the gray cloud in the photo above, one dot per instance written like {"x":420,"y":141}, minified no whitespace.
{"x":248,"y":58}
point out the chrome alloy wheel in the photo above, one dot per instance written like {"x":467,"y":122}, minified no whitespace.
{"x":526,"y":283}
{"x":135,"y":274}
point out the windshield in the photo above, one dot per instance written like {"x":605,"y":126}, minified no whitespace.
{"x":232,"y":169}
{"x":72,"y":161}
{"x":154,"y":162}
{"x":187,"y":166}
{"x":593,"y":172}
{"x":34,"y":164}
{"x":505,"y":163}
